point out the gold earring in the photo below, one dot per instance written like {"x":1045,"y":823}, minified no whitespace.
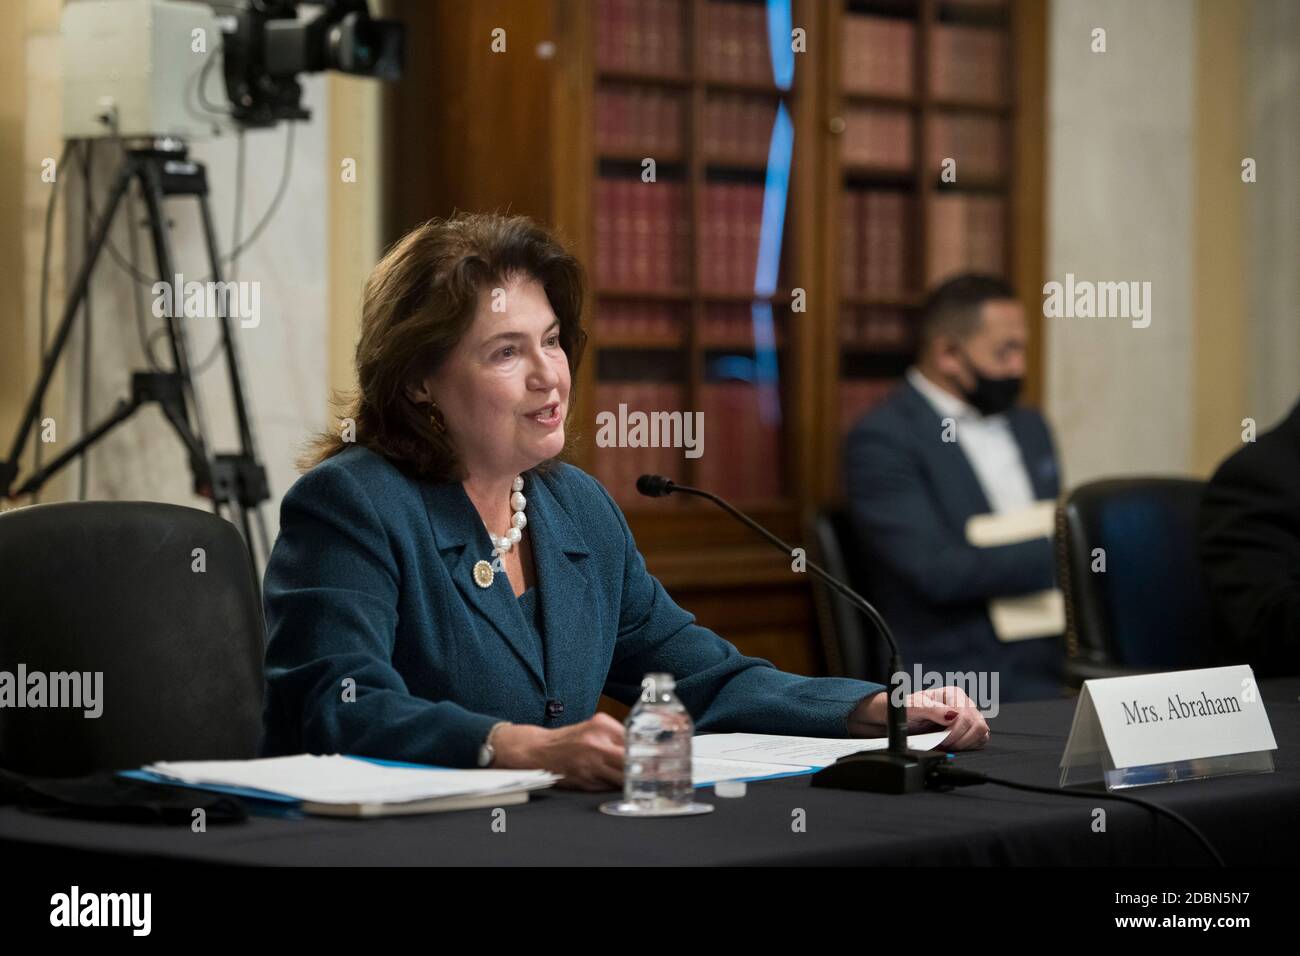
{"x":438,"y":425}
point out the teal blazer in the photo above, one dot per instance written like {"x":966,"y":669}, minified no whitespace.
{"x":381,"y":644}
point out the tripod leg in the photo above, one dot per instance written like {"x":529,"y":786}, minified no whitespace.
{"x":247,"y":438}
{"x":122,"y":411}
{"x":151,"y":186}
{"x":247,"y":443}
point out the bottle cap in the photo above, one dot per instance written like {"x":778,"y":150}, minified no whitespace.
{"x":729,"y":788}
{"x":655,"y":684}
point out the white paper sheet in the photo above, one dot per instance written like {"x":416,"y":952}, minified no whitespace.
{"x":706,"y":770}
{"x":1027,"y":616}
{"x":747,"y":756}
{"x":346,"y":780}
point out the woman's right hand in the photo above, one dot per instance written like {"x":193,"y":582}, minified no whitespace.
{"x":589,"y":755}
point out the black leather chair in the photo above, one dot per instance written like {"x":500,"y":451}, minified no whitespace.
{"x":849,"y":640}
{"x":111,"y":587}
{"x":1149,"y":610}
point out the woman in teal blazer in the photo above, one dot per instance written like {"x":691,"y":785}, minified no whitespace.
{"x":444,"y":590}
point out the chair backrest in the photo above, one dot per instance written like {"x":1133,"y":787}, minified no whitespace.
{"x":158,"y":599}
{"x":850,"y":643}
{"x":1148,"y":608}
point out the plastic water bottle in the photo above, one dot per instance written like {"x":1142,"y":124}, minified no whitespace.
{"x":657,"y":769}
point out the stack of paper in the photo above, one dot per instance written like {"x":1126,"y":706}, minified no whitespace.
{"x":352,"y":786}
{"x":1040,"y":614}
{"x":717,"y":757}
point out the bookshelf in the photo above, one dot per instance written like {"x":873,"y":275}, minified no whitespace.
{"x":691,"y":301}
{"x":779,"y":349}
{"x":918,"y":180}
{"x":687,"y":330}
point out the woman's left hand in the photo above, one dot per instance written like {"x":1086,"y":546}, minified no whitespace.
{"x":940,"y":708}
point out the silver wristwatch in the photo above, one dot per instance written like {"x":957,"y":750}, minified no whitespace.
{"x":487,"y":753}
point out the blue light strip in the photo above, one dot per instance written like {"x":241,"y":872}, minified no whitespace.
{"x":780,"y":23}
{"x":776,"y":192}
{"x":766,"y":373}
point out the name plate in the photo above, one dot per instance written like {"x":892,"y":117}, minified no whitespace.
{"x":1160,"y":728}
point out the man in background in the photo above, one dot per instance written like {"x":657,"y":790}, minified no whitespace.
{"x":1250,"y":550}
{"x":948,"y":445}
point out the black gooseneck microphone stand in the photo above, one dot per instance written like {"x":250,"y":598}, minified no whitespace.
{"x":895,"y":770}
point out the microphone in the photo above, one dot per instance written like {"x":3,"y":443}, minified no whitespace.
{"x":655,"y":486}
{"x":896,"y":770}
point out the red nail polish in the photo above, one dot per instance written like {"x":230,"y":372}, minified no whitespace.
{"x":951,"y":715}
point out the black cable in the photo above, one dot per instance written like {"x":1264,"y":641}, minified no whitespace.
{"x":234,"y":238}
{"x":45,"y":292}
{"x":959,"y":777}
{"x":141,"y":325}
{"x":88,"y":214}
{"x":208,"y":105}
{"x":133,"y":218}
{"x":87,"y":187}
{"x":275,"y":202}
{"x":154,"y":336}
{"x":129,"y":267}
{"x":234,"y":253}
{"x":237,"y":218}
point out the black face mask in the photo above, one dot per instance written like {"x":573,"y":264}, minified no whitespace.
{"x":991,"y":396}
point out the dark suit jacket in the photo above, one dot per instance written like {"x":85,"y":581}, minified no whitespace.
{"x":370,"y":579}
{"x":911,"y":494}
{"x":1250,"y":549}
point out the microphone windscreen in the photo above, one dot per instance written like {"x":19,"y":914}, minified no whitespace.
{"x":654,"y":486}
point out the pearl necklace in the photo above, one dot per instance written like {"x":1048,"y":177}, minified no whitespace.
{"x":485,"y":572}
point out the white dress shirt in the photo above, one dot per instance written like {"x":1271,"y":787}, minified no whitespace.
{"x":988,"y":444}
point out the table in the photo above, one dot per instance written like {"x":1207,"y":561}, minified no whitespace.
{"x":1250,"y":819}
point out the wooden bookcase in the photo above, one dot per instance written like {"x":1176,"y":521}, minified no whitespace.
{"x":733,"y":582}
{"x":517,"y":131}
{"x":945,"y":120}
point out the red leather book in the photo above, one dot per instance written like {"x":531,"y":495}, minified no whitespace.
{"x":606,"y":37}
{"x":877,"y":55}
{"x":656,"y":244}
{"x":752,"y":205}
{"x":674,"y":31}
{"x":871,"y":259}
{"x":601,"y":230}
{"x":638,"y":249}
{"x":757,"y":62}
{"x":683,"y":238}
{"x":650,"y":18}
{"x":706,"y":238}
{"x":624,"y":233}
{"x":849,"y":252}
{"x":946,"y":252}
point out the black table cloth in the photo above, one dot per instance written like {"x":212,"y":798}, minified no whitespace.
{"x":1249,"y":819}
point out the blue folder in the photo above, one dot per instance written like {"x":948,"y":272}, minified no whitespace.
{"x":261,"y":802}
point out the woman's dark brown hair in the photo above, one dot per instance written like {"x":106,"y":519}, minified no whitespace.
{"x":419,"y":301}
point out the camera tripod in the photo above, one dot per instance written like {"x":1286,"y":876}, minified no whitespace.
{"x":234,"y":482}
